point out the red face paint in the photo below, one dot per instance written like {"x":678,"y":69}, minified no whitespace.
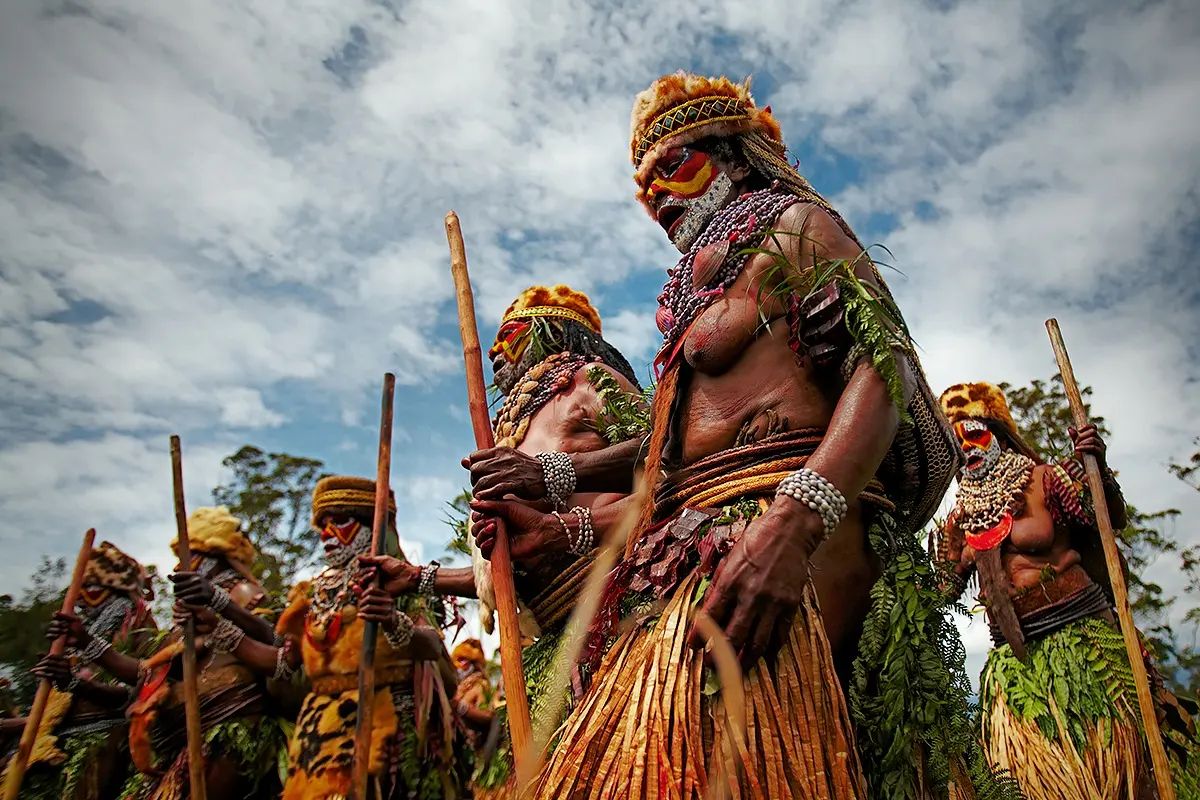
{"x":93,"y":595}
{"x":687,"y":177}
{"x":511,"y":340}
{"x":344,"y":531}
{"x":973,"y":437}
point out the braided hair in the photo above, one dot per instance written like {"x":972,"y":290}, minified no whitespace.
{"x":569,"y":336}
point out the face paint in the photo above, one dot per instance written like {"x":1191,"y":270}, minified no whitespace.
{"x":688,"y":191}
{"x":93,"y":595}
{"x":980,"y":447}
{"x":345,"y":539}
{"x":511,"y":341}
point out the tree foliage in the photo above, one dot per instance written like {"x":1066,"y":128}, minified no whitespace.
{"x":272,"y":494}
{"x":23,"y":623}
{"x":1043,"y":415}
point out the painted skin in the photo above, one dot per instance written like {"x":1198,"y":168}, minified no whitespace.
{"x":1035,"y":547}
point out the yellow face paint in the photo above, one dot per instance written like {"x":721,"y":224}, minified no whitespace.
{"x":512,"y":340}
{"x":689,"y":180}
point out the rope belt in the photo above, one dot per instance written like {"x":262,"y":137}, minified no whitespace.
{"x":1087,"y":602}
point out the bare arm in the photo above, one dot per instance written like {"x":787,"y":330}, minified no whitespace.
{"x":504,"y":471}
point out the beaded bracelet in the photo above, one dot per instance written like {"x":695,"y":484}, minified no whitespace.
{"x":225,"y":637}
{"x":428,"y":578}
{"x":220,"y":600}
{"x":559,"y":475}
{"x":400,"y":633}
{"x":585,"y":539}
{"x":95,"y":648}
{"x":813,"y":490}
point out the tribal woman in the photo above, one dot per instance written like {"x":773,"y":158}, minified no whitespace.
{"x":242,"y":741}
{"x":412,"y":751}
{"x":1059,"y":705}
{"x":795,"y":450}
{"x":82,"y":749}
{"x":567,"y":390}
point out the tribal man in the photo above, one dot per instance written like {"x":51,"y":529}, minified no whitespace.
{"x":567,"y":390}
{"x":242,"y":741}
{"x":793,"y":437}
{"x":412,"y":743}
{"x":82,"y":749}
{"x":1027,"y":529}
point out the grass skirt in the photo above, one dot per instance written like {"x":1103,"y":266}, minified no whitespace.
{"x":653,"y":726}
{"x":1064,"y":725}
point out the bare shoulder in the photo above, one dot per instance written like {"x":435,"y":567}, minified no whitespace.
{"x":816,"y":234}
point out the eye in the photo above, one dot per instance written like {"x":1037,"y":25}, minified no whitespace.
{"x":669,"y":164}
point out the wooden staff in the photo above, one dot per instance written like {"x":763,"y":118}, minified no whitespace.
{"x":511,"y":668}
{"x":191,"y":692}
{"x":363,"y":724}
{"x":33,"y":722}
{"x":1112,"y":559}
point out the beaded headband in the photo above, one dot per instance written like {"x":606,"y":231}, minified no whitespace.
{"x":688,"y":115}
{"x":550,"y":311}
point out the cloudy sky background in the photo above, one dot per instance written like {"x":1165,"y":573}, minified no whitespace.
{"x":224,"y":219}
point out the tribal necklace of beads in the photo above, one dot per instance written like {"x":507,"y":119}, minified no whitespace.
{"x":985,"y":507}
{"x":714,"y":262}
{"x":332,"y":591}
{"x":538,"y":386}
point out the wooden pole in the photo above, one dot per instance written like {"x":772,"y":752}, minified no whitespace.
{"x":16,"y":773}
{"x":511,"y":668}
{"x":1112,"y":559}
{"x":191,"y":692}
{"x":366,"y":665}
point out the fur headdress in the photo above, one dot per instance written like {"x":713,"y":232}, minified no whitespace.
{"x":108,"y":566}
{"x":683,"y":108}
{"x":347,"y":494}
{"x":214,"y":531}
{"x":985,"y":402}
{"x":554,"y":301}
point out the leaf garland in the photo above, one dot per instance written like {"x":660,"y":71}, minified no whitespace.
{"x":873,"y":320}
{"x":623,"y":415}
{"x":909,"y":690}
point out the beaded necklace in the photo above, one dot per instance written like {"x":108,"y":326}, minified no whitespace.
{"x":537,"y":387}
{"x":709,"y":267}
{"x":984,"y":507}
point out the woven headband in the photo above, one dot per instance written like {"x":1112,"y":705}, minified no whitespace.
{"x":550,"y":311}
{"x":348,"y":498}
{"x":688,"y":115}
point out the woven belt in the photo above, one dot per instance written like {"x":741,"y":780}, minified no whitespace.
{"x":384,"y":676}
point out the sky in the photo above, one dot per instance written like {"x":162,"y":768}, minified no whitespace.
{"x":224,"y":219}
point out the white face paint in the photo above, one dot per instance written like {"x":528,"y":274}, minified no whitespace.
{"x":340,"y":556}
{"x":699,"y":211}
{"x":980,"y":447}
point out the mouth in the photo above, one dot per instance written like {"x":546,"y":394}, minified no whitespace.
{"x":331,"y":545}
{"x":974,"y":461}
{"x":669,"y":217}
{"x":498,"y":364}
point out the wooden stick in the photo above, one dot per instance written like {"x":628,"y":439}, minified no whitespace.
{"x":364,"y":721}
{"x":1112,"y":559}
{"x":16,"y":772}
{"x":191,"y":692}
{"x":511,"y":668}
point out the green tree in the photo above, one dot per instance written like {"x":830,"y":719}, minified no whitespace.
{"x":272,"y":494}
{"x":1043,"y":415}
{"x":23,"y":624}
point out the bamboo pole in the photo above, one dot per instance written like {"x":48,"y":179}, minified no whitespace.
{"x":364,"y":719}
{"x":511,"y":668}
{"x":16,"y":772}
{"x":191,"y":692}
{"x":1112,"y":559}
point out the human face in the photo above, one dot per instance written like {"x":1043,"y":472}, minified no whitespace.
{"x":980,"y":447}
{"x":508,"y":352}
{"x":344,"y":538}
{"x":93,"y":595}
{"x":687,"y":189}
